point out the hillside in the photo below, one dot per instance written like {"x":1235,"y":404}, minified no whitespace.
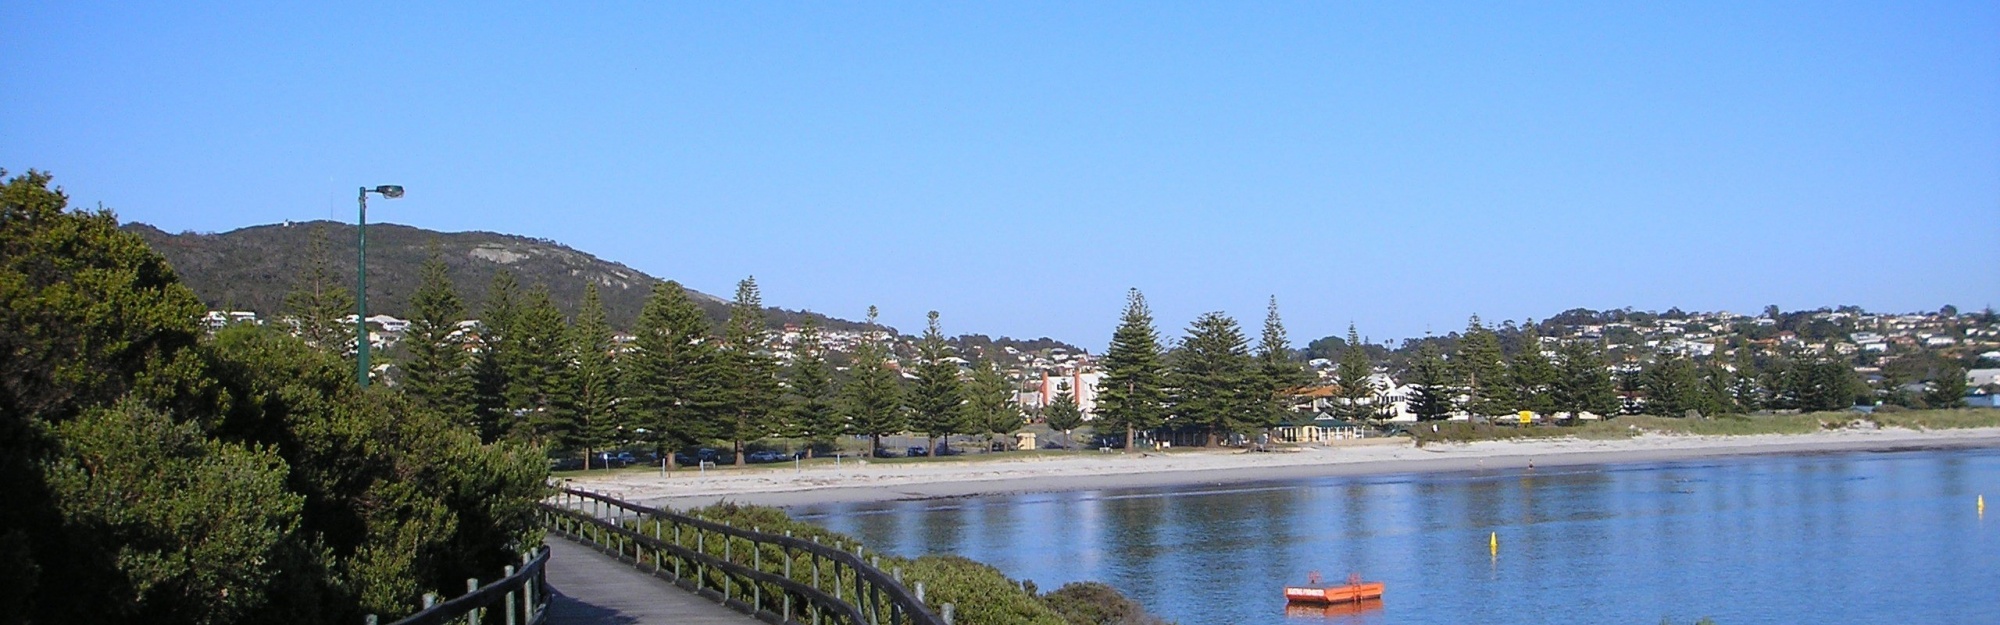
{"x":252,"y":268}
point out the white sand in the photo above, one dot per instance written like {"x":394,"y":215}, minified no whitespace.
{"x":859,"y":480}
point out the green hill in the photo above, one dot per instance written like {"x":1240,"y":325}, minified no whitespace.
{"x":253,"y":268}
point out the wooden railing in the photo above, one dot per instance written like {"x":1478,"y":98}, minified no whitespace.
{"x":773,"y":577}
{"x":520,"y":597}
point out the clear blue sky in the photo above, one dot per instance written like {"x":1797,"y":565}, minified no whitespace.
{"x":1017,"y":166}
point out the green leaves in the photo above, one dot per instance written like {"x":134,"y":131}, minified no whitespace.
{"x":1483,"y":369}
{"x":1351,"y":380}
{"x":810,"y":412}
{"x":435,"y":373}
{"x":671,"y":376}
{"x":1278,"y":373}
{"x":750,"y":375}
{"x":989,"y":401}
{"x":1132,"y":394}
{"x":153,"y":477}
{"x":1216,"y":389}
{"x":319,"y":300}
{"x":1433,"y":391}
{"x":189,"y":527}
{"x":1584,"y":383}
{"x":872,"y":398}
{"x":586,"y":405}
{"x":937,"y":400}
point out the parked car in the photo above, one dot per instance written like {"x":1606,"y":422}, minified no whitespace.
{"x":916,"y":451}
{"x":612,"y":460}
{"x":884,"y":452}
{"x":704,"y":454}
{"x":766,"y":456}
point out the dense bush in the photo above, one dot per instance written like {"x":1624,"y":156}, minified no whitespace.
{"x":1093,"y":603}
{"x":154,"y":475}
{"x":979,"y":594}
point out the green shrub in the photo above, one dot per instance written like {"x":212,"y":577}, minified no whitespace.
{"x":1093,"y":603}
{"x":979,"y":594}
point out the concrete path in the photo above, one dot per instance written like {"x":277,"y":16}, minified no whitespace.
{"x":593,"y":589}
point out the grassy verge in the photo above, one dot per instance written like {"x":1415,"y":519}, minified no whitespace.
{"x":1726,"y":425}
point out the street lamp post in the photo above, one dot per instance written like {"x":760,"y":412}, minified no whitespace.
{"x":389,"y":191}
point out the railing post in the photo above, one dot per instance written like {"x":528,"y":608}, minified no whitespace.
{"x":368,"y":620}
{"x":509,"y":601}
{"x":920,"y":592}
{"x":472,"y":586}
{"x":528,"y":589}
{"x":947,"y":614}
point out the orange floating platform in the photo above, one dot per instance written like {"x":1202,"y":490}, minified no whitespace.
{"x":1354,"y":591}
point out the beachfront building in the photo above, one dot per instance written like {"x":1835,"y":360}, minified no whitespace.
{"x":1318,"y":427}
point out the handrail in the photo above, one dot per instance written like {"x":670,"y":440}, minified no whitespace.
{"x":876,"y":597}
{"x":528,"y":583}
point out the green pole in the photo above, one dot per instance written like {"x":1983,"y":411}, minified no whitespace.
{"x":361,"y":295}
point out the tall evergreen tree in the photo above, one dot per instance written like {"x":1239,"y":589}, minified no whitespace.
{"x":1533,"y":375}
{"x":1673,"y":387}
{"x":538,"y":347}
{"x":320,"y":300}
{"x":937,"y":400}
{"x":1352,"y":384}
{"x":989,"y":402}
{"x":588,"y":403}
{"x":489,"y":366}
{"x":1946,"y":388}
{"x":1746,"y":392}
{"x":1062,"y":415}
{"x":1483,"y":369}
{"x":1584,"y":382}
{"x":810,"y":411}
{"x":872,"y":398}
{"x":1433,"y":389}
{"x":1279,"y":374}
{"x":434,"y":373}
{"x":671,"y":375}
{"x":1217,"y":387}
{"x":1132,"y":395}
{"x":750,"y":374}
{"x":1818,"y":384}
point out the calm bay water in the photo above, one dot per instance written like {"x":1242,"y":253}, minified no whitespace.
{"x":1834,"y":538}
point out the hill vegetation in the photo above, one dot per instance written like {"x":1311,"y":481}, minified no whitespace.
{"x":253,"y":268}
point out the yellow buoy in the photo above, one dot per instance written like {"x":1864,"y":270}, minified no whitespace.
{"x":1982,"y":504}
{"x":1493,"y":543}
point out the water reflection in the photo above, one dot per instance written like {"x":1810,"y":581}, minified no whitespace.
{"x":1888,"y":537}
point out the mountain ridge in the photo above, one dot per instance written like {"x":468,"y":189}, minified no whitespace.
{"x":252,"y":268}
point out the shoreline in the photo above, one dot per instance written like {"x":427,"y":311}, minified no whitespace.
{"x":859,"y":481}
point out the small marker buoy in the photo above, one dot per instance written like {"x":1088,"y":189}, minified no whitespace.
{"x":1493,"y":543}
{"x":1982,"y":505}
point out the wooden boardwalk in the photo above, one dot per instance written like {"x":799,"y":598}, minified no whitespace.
{"x":594,"y":589}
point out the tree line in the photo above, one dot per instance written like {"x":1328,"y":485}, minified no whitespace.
{"x":525,"y":372}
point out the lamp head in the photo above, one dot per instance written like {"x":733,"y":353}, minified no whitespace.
{"x":391,"y":191}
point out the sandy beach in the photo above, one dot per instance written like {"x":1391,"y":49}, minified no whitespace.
{"x":858,"y":480}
